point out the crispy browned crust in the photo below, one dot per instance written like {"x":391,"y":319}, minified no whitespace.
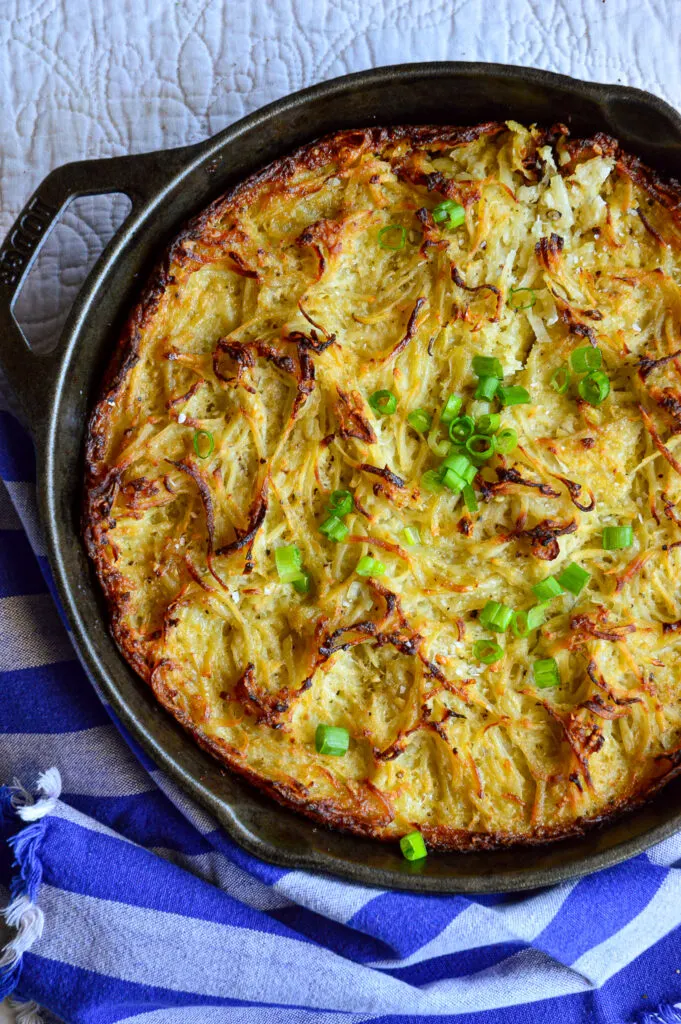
{"x":369,"y":817}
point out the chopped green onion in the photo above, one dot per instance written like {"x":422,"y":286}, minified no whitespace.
{"x":456,"y":218}
{"x":547,"y":589}
{"x":514,"y":394}
{"x":399,"y":234}
{"x":546,"y":673}
{"x":486,"y":389}
{"x":617,"y":537}
{"x":496,"y":616}
{"x":487,"y":366}
{"x":442,"y":210}
{"x":331,"y":739}
{"x":461,"y":465}
{"x":451,"y":408}
{"x":461,"y":428}
{"x":453,"y":481}
{"x":560,"y":379}
{"x":302,"y":584}
{"x":480,"y":447}
{"x":574,"y":578}
{"x":289,"y":561}
{"x":432,"y":480}
{"x":595,"y":387}
{"x":334,"y":528}
{"x":368,"y":566}
{"x":411,"y":536}
{"x":341,"y":503}
{"x":521,"y":298}
{"x":506,"y":440}
{"x":586,"y":358}
{"x":383,"y":403}
{"x":413,"y":846}
{"x":420,"y":420}
{"x":487,"y":651}
{"x":489,"y":423}
{"x":470,"y":499}
{"x":440,"y":446}
{"x":198,"y":438}
{"x":525,"y":621}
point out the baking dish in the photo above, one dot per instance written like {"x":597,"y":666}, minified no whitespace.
{"x":55,"y":392}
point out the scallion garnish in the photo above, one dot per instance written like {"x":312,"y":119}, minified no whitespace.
{"x":586,"y":358}
{"x":487,"y":651}
{"x":450,"y":211}
{"x":432,"y":480}
{"x":560,"y":379}
{"x":506,"y":440}
{"x":461,"y":429}
{"x":489,"y":423}
{"x":201,"y":450}
{"x":514,"y":394}
{"x":398,"y":234}
{"x":460,"y":464}
{"x":480,"y":447}
{"x":440,"y":446}
{"x":368,"y":566}
{"x":615,"y":538}
{"x":420,"y":420}
{"x":496,"y":616}
{"x":574,"y":578}
{"x":524,"y":622}
{"x":451,"y":408}
{"x":595,"y":387}
{"x":486,"y":389}
{"x":331,"y":739}
{"x":470,"y":498}
{"x":546,"y":673}
{"x":383,"y":403}
{"x":487,"y":366}
{"x":411,"y":536}
{"x":341,"y":503}
{"x":289,"y":561}
{"x":413,"y":846}
{"x":334,"y":528}
{"x":547,"y":588}
{"x":302,"y":584}
{"x":521,"y":298}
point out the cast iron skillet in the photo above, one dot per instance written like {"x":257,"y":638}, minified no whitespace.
{"x":56,"y":391}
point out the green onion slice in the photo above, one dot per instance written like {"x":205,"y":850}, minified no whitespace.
{"x":487,"y":366}
{"x":411,"y":536}
{"x":560,"y":379}
{"x":489,"y":423}
{"x":487,"y":651}
{"x":453,"y":481}
{"x":470,"y":498}
{"x":506,"y":440}
{"x":456,"y":218}
{"x":547,"y":589}
{"x":341,"y":503}
{"x":444,"y":209}
{"x":302,"y":584}
{"x":514,"y":394}
{"x":368,"y":566}
{"x":574,"y":578}
{"x":420,"y":420}
{"x":496,"y":616}
{"x":432,"y":480}
{"x":397,"y":233}
{"x":486,"y":389}
{"x":440,"y":446}
{"x":384,"y":403}
{"x":524,"y":622}
{"x":331,"y":739}
{"x":546,"y":673}
{"x":480,"y":447}
{"x":586,"y":358}
{"x":617,"y":537}
{"x":461,"y":429}
{"x":521,"y":298}
{"x":334,"y":528}
{"x":289,"y":561}
{"x":595,"y":387}
{"x":201,"y":450}
{"x":451,"y":408}
{"x":413,"y":846}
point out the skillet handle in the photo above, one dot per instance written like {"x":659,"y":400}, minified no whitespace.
{"x":32,"y":375}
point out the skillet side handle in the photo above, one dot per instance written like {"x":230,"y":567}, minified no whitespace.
{"x":29,"y":374}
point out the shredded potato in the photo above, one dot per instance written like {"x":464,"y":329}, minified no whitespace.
{"x":239,"y":400}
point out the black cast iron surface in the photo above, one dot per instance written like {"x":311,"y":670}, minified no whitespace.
{"x":56,"y":391}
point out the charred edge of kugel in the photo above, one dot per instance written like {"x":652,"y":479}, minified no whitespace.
{"x":102,"y":481}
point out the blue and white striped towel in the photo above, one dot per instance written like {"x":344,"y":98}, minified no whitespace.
{"x":133,"y":905}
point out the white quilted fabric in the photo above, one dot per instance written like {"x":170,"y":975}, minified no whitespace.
{"x":90,"y":78}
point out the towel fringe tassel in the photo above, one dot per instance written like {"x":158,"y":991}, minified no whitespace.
{"x":665,"y":1014}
